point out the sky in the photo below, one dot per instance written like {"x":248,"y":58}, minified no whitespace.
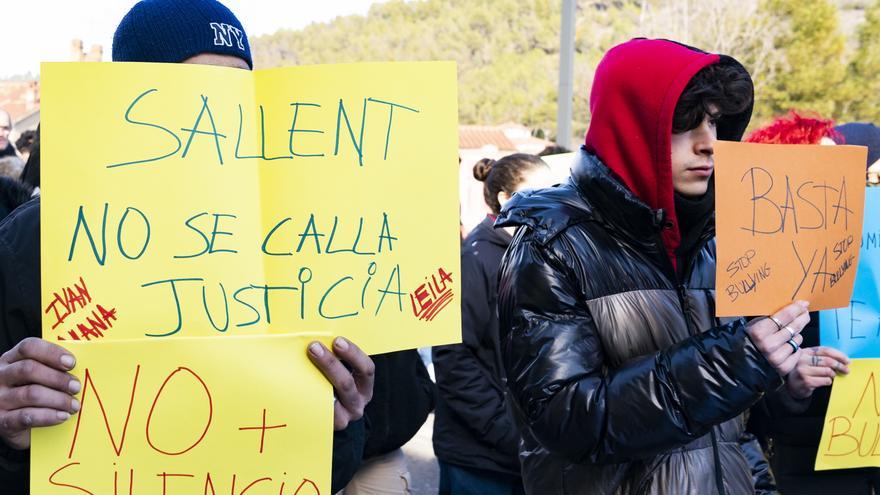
{"x":41,"y":30}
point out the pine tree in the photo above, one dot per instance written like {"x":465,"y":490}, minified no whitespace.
{"x":864,"y":70}
{"x":812,"y":71}
{"x":507,"y":50}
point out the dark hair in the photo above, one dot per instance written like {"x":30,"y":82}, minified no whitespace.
{"x":726,"y":87}
{"x":12,"y":195}
{"x":25,"y":142}
{"x":504,"y":174}
{"x":554,"y":149}
{"x":31,"y":173}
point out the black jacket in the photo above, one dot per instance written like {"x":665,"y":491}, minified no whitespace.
{"x":473,"y":426}
{"x":9,"y":150}
{"x":403,"y":396}
{"x":20,"y":318}
{"x":623,"y":379}
{"x":12,"y":195}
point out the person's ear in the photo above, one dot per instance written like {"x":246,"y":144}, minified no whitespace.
{"x":503,"y":197}
{"x":874,"y":173}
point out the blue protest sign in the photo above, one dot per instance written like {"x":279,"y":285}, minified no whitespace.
{"x":855,"y":329}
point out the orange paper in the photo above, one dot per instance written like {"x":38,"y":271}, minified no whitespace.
{"x":789,"y":220}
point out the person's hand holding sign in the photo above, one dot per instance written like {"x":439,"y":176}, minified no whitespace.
{"x":778,"y":337}
{"x":35,"y":389}
{"x":816,"y":367}
{"x":352,"y":389}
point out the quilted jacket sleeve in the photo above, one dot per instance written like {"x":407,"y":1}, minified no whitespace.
{"x":576,"y":407}
{"x":19,"y":315}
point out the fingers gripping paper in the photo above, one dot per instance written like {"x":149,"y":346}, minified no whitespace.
{"x":183,"y":200}
{"x":788,"y":222}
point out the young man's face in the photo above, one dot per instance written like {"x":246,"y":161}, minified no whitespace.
{"x":692,"y":158}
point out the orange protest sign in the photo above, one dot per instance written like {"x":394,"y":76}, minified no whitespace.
{"x":788,"y":219}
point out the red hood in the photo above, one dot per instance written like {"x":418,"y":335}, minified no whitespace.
{"x":635,"y":90}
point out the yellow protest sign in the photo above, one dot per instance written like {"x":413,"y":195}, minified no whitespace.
{"x":185,"y":415}
{"x":788,"y":219}
{"x":183,"y":200}
{"x":851,"y":435}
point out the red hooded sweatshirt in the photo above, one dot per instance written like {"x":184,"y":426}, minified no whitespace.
{"x":635,"y":90}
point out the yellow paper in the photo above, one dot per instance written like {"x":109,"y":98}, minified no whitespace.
{"x":789,"y":220}
{"x":851,"y":435}
{"x":222,"y":202}
{"x":192,"y":416}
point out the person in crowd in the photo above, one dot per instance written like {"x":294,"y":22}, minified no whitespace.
{"x":6,"y":148}
{"x":475,"y":438}
{"x":865,"y":134}
{"x":554,"y":149}
{"x":31,"y":173}
{"x":796,"y":128}
{"x":36,"y":389}
{"x":25,"y":143}
{"x":11,"y":166}
{"x":792,"y":438}
{"x":403,"y":397}
{"x":623,"y":379}
{"x":12,"y":195}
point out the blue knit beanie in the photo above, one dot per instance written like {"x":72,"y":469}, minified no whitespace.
{"x":862,"y":134}
{"x":174,"y":30}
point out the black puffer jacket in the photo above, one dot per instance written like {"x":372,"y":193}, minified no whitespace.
{"x":473,"y":426}
{"x":624,"y":380}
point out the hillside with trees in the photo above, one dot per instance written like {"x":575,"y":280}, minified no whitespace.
{"x":805,"y":54}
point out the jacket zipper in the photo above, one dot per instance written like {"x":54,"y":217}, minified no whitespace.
{"x":685,"y":306}
{"x":682,"y":296}
{"x":719,"y":477}
{"x":719,"y":480}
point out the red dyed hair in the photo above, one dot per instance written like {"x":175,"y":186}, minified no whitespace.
{"x":795,"y":128}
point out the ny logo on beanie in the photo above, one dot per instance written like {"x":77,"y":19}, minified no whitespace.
{"x":223,"y":34}
{"x":172,"y":31}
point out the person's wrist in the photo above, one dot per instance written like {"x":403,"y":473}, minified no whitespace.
{"x":797,"y":391}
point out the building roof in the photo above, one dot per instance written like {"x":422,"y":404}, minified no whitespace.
{"x":507,"y":137}
{"x":19,"y":98}
{"x":479,"y":136}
